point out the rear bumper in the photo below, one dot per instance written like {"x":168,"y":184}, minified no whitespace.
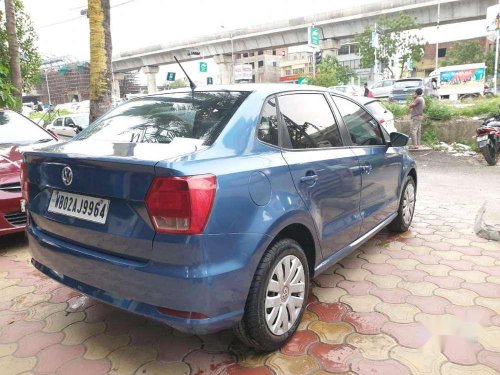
{"x":10,"y":215}
{"x":218,"y":292}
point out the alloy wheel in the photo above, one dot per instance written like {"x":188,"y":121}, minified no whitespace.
{"x":408,"y":203}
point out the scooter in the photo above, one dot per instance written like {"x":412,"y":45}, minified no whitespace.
{"x":488,"y":139}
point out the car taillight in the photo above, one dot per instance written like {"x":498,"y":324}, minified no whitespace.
{"x":381,"y":121}
{"x":181,"y":204}
{"x":24,"y":181}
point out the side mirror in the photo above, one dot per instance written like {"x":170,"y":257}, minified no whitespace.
{"x":399,"y":139}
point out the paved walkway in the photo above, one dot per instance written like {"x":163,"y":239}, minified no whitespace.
{"x":425,"y":302}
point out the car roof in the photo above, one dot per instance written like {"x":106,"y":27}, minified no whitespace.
{"x":410,"y":79}
{"x":263,"y":88}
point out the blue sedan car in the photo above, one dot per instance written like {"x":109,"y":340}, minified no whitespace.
{"x":214,"y":208}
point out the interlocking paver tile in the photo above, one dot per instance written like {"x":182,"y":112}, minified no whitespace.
{"x":448,"y":254}
{"x":307,"y":319}
{"x":359,"y":288}
{"x":33,"y":343}
{"x":425,"y":360}
{"x":361,"y":303}
{"x":492,"y":271}
{"x":460,"y":265}
{"x":357,"y":274}
{"x":468,"y":250}
{"x":288,"y":365}
{"x":334,"y":358}
{"x":20,"y":328}
{"x":44,"y":309}
{"x":61,"y":319}
{"x":6,"y":282}
{"x":391,"y":295}
{"x":7,"y":349}
{"x":434,"y":269}
{"x":329,"y":312}
{"x":12,"y":365}
{"x":375,"y":347}
{"x":328,"y":295}
{"x":236,"y":369}
{"x":411,"y":335}
{"x":78,"y":332}
{"x":13,"y":291}
{"x":379,"y":269}
{"x":491,"y":245}
{"x":398,"y":312}
{"x":481,"y":260}
{"x":352,"y":262}
{"x":127,"y":359}
{"x":27,"y":301}
{"x":484,"y":289}
{"x":460,"y":350}
{"x":81,"y":366}
{"x":100,"y":346}
{"x":384,"y":281}
{"x":470,"y":276}
{"x":422,"y":288}
{"x":328,"y":281}
{"x":491,"y":303}
{"x":491,"y":359}
{"x":410,"y":275}
{"x":388,"y":367}
{"x":461,"y":297}
{"x":473,"y":314}
{"x":404,"y":264}
{"x":431,"y":304}
{"x":489,"y":338}
{"x":299,"y":343}
{"x":455,"y":369}
{"x":365,"y":322}
{"x":54,"y":356}
{"x":446,"y":282}
{"x":375,"y":258}
{"x":331,"y":333}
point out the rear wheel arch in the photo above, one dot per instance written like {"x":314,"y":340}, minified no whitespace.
{"x":413,"y":174}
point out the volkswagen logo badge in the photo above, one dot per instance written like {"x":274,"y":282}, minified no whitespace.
{"x":67,"y":176}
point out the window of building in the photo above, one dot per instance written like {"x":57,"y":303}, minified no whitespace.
{"x":309,"y":121}
{"x":261,"y":52}
{"x":344,"y":50}
{"x":260,"y":64}
{"x":298,"y":71}
{"x":288,"y":72}
{"x":363,"y":129}
{"x":310,"y":69}
{"x":441,"y":52}
{"x":274,"y":52}
{"x":245,"y":54}
{"x":251,"y":54}
{"x":274,"y":63}
{"x":268,"y":127}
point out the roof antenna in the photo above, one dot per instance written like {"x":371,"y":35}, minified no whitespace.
{"x":191,"y":83}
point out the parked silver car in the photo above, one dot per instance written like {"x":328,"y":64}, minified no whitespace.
{"x":382,"y":89}
{"x":69,"y":125}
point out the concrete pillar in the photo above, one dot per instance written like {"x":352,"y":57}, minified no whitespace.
{"x":117,"y":78}
{"x":150,"y":72}
{"x":225,"y":68}
{"x":329,"y":47}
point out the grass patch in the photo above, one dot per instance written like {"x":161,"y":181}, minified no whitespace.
{"x":398,"y":110}
{"x":47,"y":117}
{"x":481,"y":107}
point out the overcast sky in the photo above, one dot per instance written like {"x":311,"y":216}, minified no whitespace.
{"x":138,"y":23}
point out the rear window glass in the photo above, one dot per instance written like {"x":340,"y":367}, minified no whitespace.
{"x":408,"y":84}
{"x":18,"y":130}
{"x":162,"y":118}
{"x":375,"y":108}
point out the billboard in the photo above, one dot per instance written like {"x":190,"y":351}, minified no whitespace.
{"x":461,"y":77}
{"x":243,"y":72}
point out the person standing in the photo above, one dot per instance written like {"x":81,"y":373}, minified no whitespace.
{"x":367,"y":91}
{"x":416,"y":113}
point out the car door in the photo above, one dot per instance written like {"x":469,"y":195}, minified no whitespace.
{"x":69,"y":127}
{"x":381,"y":165}
{"x":377,"y":89}
{"x":325,"y":172}
{"x":58,"y":125}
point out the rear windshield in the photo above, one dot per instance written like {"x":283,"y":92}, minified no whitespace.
{"x":81,"y":120}
{"x":408,"y":84}
{"x":162,"y":118}
{"x":376,"y":108}
{"x":18,"y":130}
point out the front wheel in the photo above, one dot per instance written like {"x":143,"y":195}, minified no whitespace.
{"x":277,"y":297}
{"x":490,"y":153}
{"x":406,"y":207}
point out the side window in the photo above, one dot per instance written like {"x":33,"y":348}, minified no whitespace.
{"x":58,"y":122}
{"x":388,"y":83}
{"x":363,"y":129}
{"x":68,"y":121}
{"x":377,"y":85}
{"x":268,"y":127}
{"x":309,"y":121}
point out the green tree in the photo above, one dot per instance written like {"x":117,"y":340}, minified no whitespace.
{"x":6,"y":89}
{"x":27,"y":40}
{"x":396,"y":42}
{"x":178,"y":83}
{"x":467,"y":52}
{"x":490,"y":63}
{"x":331,"y":73}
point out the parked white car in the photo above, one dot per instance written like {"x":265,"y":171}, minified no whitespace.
{"x":70,"y":125}
{"x":351,"y":90}
{"x":382,"y":89}
{"x":382,"y":114}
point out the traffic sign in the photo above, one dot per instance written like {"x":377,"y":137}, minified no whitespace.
{"x":313,"y":36}
{"x":203,"y":67}
{"x":210,"y":81}
{"x":302,"y":81}
{"x":170,"y":76}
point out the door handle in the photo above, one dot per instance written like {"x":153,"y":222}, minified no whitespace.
{"x":309,"y":179}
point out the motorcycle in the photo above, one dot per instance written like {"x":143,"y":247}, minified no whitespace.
{"x":488,"y":138}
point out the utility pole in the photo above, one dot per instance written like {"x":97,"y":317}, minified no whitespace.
{"x":495,"y":79}
{"x":48,"y":89}
{"x":14,"y":62}
{"x":437,"y":35}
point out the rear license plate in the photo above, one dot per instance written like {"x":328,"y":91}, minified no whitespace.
{"x":79,"y":206}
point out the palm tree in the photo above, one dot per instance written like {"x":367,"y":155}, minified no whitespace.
{"x":14,"y":60}
{"x":100,"y":57}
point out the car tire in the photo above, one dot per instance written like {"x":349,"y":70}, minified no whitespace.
{"x":254,"y":330}
{"x":406,"y":207}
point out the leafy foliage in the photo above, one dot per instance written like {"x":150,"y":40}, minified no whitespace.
{"x":6,"y":89}
{"x":398,"y":110}
{"x":178,"y":83}
{"x":395,"y":42}
{"x":330,"y":73}
{"x":468,"y":52}
{"x":27,"y":38}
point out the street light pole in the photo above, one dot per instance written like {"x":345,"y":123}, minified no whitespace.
{"x":437,"y":35}
{"x":48,"y":89}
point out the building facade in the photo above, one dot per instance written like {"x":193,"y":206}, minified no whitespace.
{"x":264,"y":63}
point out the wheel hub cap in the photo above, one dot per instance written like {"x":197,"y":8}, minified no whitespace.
{"x":285,"y":295}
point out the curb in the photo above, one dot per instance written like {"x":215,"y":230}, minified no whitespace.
{"x":487,"y":224}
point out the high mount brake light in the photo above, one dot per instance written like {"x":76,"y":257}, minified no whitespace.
{"x":181,"y":204}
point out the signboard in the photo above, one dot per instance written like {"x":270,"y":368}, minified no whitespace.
{"x":302,"y":81}
{"x":243,"y":72}
{"x":460,"y":79}
{"x":170,"y":76}
{"x":374,"y":42}
{"x":313,"y":36}
{"x":210,"y":81}
{"x":203,"y":67}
